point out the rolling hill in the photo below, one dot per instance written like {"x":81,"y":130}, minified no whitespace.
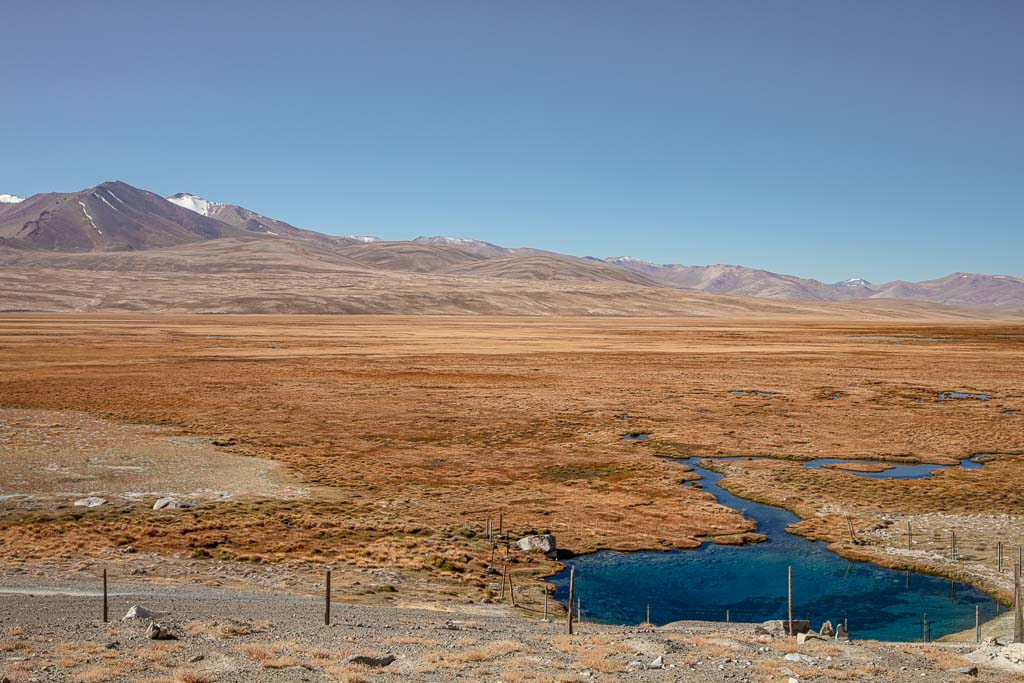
{"x":129,"y":249}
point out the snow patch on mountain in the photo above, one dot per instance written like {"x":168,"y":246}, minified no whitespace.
{"x":11,"y":199}
{"x":91,"y":221}
{"x":193,"y":203}
{"x":453,"y":241}
{"x":365,"y":239}
{"x":629,"y":260}
{"x":104,"y":200}
{"x":853,"y":282}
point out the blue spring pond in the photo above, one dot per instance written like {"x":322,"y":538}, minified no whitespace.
{"x":750,"y":581}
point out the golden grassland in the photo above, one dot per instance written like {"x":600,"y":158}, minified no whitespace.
{"x":413,"y":430}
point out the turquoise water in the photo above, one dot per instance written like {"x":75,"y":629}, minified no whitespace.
{"x":750,"y":582}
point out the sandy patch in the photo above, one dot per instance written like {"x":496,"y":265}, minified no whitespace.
{"x":61,"y":454}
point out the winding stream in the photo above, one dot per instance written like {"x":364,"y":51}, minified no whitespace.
{"x":749,"y":582}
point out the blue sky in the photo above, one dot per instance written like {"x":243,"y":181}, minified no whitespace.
{"x":825,"y":139}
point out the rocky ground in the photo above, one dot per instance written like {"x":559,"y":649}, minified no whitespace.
{"x":55,"y":633}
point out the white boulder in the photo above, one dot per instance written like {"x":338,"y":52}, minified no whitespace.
{"x":544,"y":543}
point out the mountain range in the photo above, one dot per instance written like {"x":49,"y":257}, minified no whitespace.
{"x":117,"y":228}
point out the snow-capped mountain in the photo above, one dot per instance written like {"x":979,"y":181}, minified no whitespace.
{"x":203,"y":207}
{"x":241,"y":217}
{"x":116,"y":217}
{"x":477,"y":247}
{"x":629,"y":261}
{"x":853,"y":282}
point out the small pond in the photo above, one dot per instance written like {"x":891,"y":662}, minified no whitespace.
{"x":750,"y":583}
{"x":895,"y":471}
{"x":636,"y":437}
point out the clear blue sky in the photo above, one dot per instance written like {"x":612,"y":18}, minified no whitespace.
{"x":825,"y":139}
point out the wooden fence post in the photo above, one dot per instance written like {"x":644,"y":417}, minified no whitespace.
{"x":1018,"y":618}
{"x":546,"y":605}
{"x":327,"y":599}
{"x":977,"y":623}
{"x":504,"y":570}
{"x":105,"y":619}
{"x":572,"y":590}
{"x":952,"y":545}
{"x":999,"y":556}
{"x":511,"y":589}
{"x":790,"y":582}
{"x":849,"y":525}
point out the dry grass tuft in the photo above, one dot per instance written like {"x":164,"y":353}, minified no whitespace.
{"x":97,"y":673}
{"x":258,"y":652}
{"x":191,"y":675}
{"x":16,"y":646}
{"x":228,"y":629}
{"x":599,"y":659}
{"x":346,"y":675}
{"x":283,"y":662}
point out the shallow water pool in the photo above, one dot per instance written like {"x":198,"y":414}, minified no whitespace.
{"x":750,"y":583}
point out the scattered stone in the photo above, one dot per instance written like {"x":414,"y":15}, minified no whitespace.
{"x":544,"y":543}
{"x":129,"y":549}
{"x":157,"y":632}
{"x":966,"y":670}
{"x":658,"y":663}
{"x":140,"y":612}
{"x":798,"y":657}
{"x":802,"y":638}
{"x":172,"y":504}
{"x":90,"y":502}
{"x":196,"y":658}
{"x":112,"y":645}
{"x":366,"y":660}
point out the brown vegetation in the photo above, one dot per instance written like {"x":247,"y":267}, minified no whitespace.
{"x":414,"y":430}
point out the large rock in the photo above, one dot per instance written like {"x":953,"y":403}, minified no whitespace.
{"x":544,"y":543}
{"x":841,"y":633}
{"x":780,"y":627}
{"x":169,"y":503}
{"x":90,"y":502}
{"x":826,"y":630}
{"x":140,"y":612}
